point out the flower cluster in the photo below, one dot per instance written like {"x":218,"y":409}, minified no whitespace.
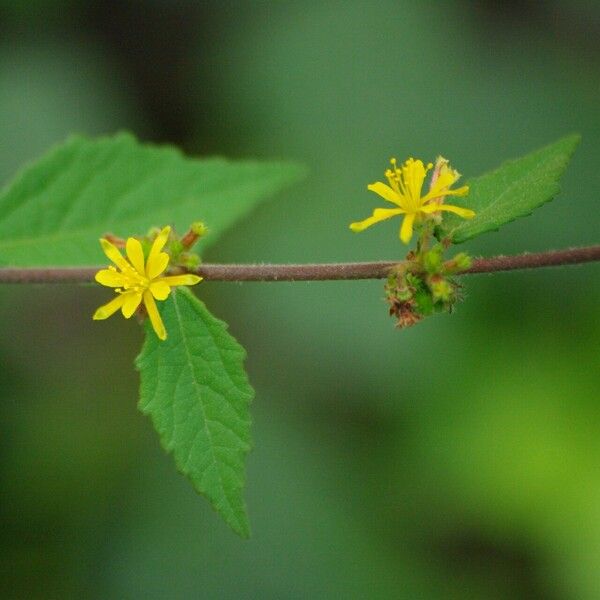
{"x":424,"y":283}
{"x":424,"y":286}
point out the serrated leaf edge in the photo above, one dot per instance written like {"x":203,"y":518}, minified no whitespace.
{"x":241,"y":527}
{"x":296,"y":172}
{"x":576,"y":138}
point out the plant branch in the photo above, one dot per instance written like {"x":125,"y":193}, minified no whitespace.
{"x":312,"y":272}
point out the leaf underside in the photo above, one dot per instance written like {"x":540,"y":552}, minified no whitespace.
{"x":55,"y":210}
{"x":514,"y":190}
{"x":195,"y":389}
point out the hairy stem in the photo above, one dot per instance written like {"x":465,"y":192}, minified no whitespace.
{"x":312,"y":272}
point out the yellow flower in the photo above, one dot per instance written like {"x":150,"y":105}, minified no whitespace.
{"x":406,"y":183}
{"x":139,"y":279}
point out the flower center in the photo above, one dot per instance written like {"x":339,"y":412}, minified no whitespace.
{"x":133,"y":281}
{"x":407,"y":180}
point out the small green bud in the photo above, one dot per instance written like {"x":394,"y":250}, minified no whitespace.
{"x":432,"y":261}
{"x":403,"y":294}
{"x":460,"y":262}
{"x":414,"y":280}
{"x":441,"y":290}
{"x":199,"y":228}
{"x":463,"y":261}
{"x":189,"y":260}
{"x":423,"y":302}
{"x":176,"y":248}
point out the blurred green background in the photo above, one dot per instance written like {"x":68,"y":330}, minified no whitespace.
{"x":459,"y":459}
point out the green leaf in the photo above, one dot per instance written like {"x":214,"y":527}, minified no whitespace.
{"x":512,"y":191}
{"x":54,"y":212}
{"x":195,"y":389}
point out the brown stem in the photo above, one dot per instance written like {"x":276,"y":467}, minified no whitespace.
{"x":311,"y":272}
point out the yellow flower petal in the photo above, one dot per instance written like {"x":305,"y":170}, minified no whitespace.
{"x":154,"y":315}
{"x":386,"y":192}
{"x":379,"y":214}
{"x":187,"y":279}
{"x":109,"y":309}
{"x":461,"y":191}
{"x":110,"y":278}
{"x":132,"y":301}
{"x":446,"y":177}
{"x":160,"y":289}
{"x":112,"y":252}
{"x":156,"y":264}
{"x":135,"y":254}
{"x":413,"y":175}
{"x":465,"y":213}
{"x":159,"y":242}
{"x":406,"y":230}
